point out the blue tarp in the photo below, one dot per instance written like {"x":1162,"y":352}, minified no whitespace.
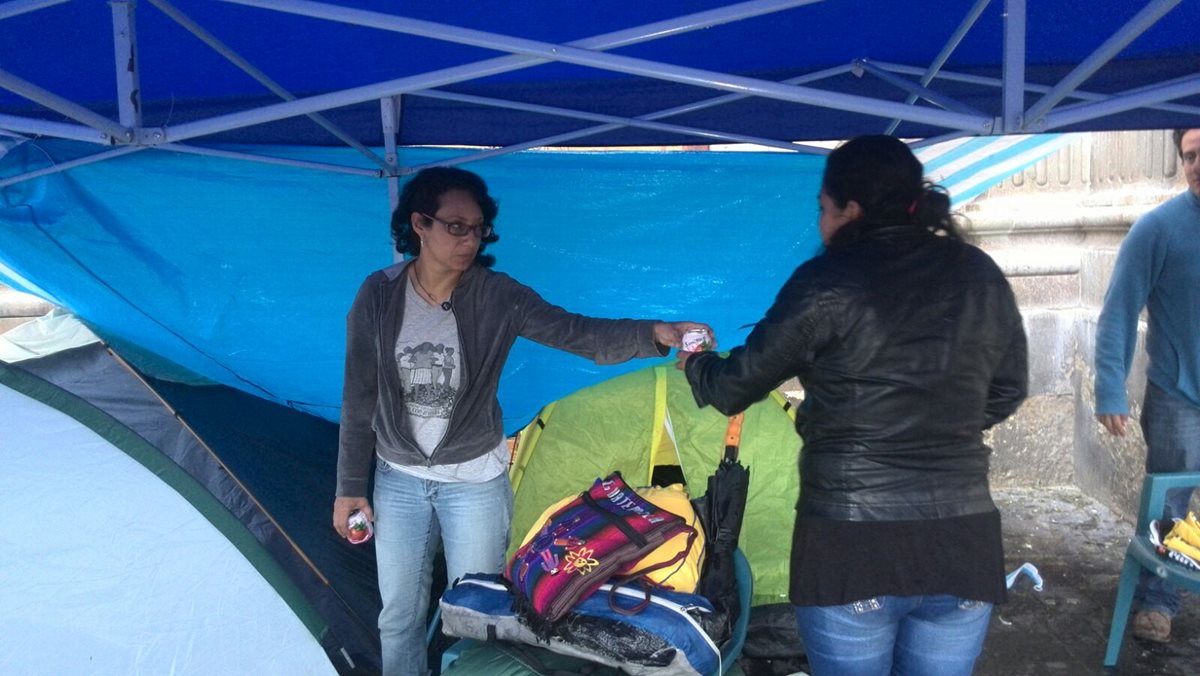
{"x":220,"y":267}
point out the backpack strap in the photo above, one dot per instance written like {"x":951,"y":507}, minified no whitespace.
{"x":621,"y":525}
{"x":646,"y":582}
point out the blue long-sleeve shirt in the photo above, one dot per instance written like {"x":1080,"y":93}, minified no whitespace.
{"x":1158,"y":268}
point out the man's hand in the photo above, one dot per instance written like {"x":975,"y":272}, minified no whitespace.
{"x":1114,"y":423}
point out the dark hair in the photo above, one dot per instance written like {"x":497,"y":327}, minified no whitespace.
{"x":422,"y":194}
{"x":1177,"y":136}
{"x":887,"y":180}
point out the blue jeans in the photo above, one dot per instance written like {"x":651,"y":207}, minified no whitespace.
{"x":1171,"y":427}
{"x":472,"y":521}
{"x":937,"y":635}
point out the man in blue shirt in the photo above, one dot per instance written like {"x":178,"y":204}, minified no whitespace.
{"x":1158,"y":268}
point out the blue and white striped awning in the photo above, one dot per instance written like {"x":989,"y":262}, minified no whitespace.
{"x":967,"y":167}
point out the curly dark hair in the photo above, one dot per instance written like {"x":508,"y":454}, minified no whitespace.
{"x":422,"y":195}
{"x":887,"y":180}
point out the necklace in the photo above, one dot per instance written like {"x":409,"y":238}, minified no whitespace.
{"x":445,"y":305}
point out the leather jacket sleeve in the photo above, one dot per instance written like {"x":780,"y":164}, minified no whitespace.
{"x":1010,"y":382}
{"x":782,"y":342}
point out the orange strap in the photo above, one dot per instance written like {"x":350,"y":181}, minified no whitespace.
{"x":733,"y":436}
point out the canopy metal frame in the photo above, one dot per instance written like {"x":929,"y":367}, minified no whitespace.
{"x":1060,"y":105}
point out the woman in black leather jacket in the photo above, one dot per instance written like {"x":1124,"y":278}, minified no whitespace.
{"x":908,"y":344}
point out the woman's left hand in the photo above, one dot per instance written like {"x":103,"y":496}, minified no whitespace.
{"x":670,"y":334}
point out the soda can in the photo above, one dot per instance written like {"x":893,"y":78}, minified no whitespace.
{"x":360,"y":527}
{"x":697,"y":340}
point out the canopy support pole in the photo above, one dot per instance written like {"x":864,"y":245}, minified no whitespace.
{"x":111,"y":130}
{"x":948,"y":49}
{"x":262,"y":78}
{"x":125,"y":57}
{"x":65,"y":166}
{"x":17,"y":7}
{"x":915,"y":90}
{"x":36,"y":127}
{"x":613,"y":119}
{"x":1013,"y":68}
{"x":475,"y":70}
{"x":389,"y":116}
{"x":1147,"y":17}
{"x":266,"y":159}
{"x":611,"y":62}
{"x":1037,"y":88}
{"x":678,"y":110}
{"x":1120,"y":103}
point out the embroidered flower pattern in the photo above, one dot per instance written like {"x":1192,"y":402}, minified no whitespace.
{"x":580,"y":561}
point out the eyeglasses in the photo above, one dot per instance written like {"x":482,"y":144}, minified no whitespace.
{"x":483,"y":230}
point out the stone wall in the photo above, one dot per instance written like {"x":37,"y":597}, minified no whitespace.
{"x":1055,"y":230}
{"x":18,"y":308}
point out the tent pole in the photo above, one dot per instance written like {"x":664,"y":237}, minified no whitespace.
{"x":125,"y":58}
{"x":1120,"y":103}
{"x":64,"y":166}
{"x":611,"y":119}
{"x":16,"y":7}
{"x":389,"y":115}
{"x":951,"y":44}
{"x":628,"y":65}
{"x":591,"y":131}
{"x":914,"y":89}
{"x":30,"y":125}
{"x":266,"y":159}
{"x":1147,"y":17}
{"x":58,"y":104}
{"x":934,"y":140}
{"x":478,"y":69}
{"x":1036,"y":88}
{"x":246,"y":67}
{"x":1013,"y":67}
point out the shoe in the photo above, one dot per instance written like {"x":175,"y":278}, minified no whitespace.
{"x":1153,"y":626}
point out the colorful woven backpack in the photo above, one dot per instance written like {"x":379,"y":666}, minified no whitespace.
{"x":601,"y":534}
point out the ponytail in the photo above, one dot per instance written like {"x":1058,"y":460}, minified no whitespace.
{"x":931,"y":211}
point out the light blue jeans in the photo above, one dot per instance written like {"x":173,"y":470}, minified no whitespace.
{"x":1171,"y":427}
{"x":937,"y":635}
{"x":472,"y":521}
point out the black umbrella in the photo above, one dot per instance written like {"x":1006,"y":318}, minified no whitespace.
{"x":720,"y":510}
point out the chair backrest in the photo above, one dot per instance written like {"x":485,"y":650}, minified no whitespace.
{"x":1154,"y":494}
{"x":745,"y":586}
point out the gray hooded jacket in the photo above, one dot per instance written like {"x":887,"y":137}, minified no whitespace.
{"x":492,"y":310}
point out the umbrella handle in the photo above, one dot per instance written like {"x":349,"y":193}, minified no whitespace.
{"x":733,"y":437}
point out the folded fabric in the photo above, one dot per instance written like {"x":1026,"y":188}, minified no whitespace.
{"x":667,"y":638}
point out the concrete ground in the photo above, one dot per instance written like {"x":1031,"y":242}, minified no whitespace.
{"x":1078,"y":546}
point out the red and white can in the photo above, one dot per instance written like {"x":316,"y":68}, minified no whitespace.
{"x":360,"y":527}
{"x":697,"y":340}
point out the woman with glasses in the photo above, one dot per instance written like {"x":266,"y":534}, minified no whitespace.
{"x":426,"y":341}
{"x":908,"y":344}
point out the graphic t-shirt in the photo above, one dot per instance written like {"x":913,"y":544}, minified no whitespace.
{"x":427,"y":354}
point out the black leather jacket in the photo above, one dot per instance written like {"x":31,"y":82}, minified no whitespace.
{"x":908,"y":346}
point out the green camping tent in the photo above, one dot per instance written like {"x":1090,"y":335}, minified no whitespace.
{"x":646,"y":419}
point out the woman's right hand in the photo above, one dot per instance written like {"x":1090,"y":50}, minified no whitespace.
{"x":343,"y":507}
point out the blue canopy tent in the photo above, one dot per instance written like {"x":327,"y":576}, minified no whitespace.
{"x":209,"y":180}
{"x":188,"y":79}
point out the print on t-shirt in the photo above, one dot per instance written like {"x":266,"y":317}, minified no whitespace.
{"x":428,"y":378}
